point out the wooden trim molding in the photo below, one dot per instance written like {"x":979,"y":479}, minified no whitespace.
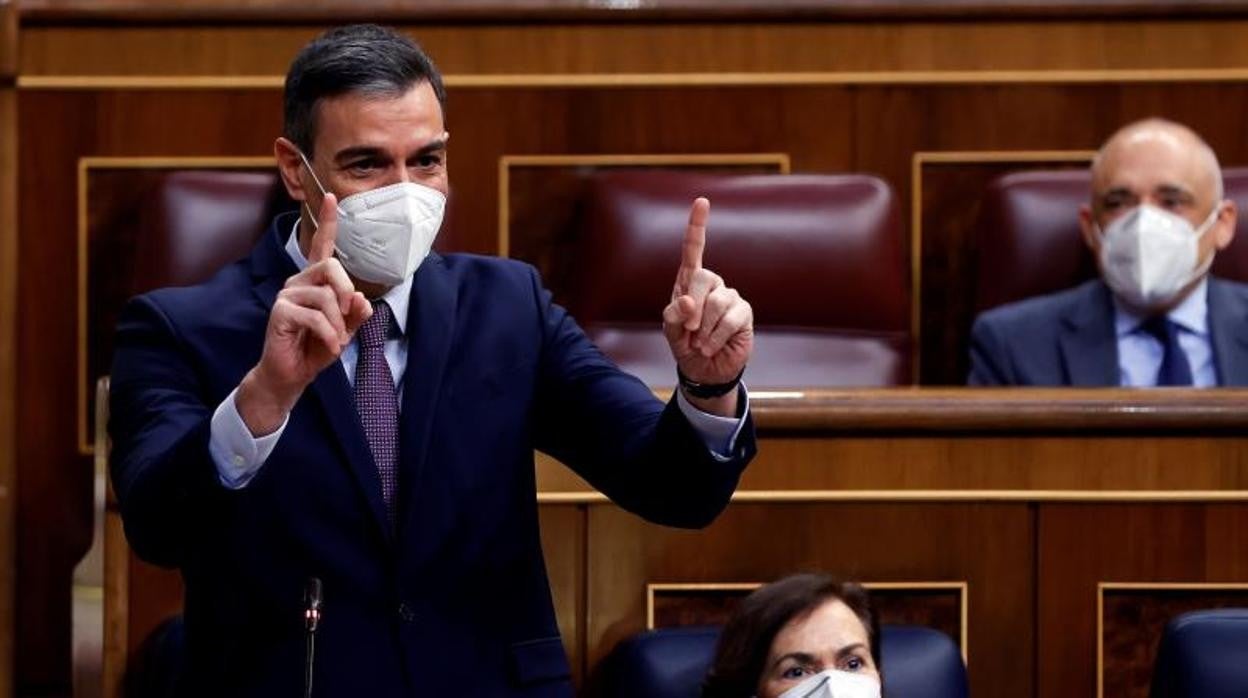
{"x":85,"y":166}
{"x":908,"y":78}
{"x":781,"y":161}
{"x":586,"y":498}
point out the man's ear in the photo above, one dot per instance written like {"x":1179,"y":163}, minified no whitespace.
{"x":1224,"y":227}
{"x":290,"y":166}
{"x":1087,"y":226}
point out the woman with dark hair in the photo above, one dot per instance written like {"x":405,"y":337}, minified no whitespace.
{"x":805,"y":635}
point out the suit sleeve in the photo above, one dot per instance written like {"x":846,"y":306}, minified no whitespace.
{"x":160,"y":464}
{"x":608,"y":427}
{"x":989,"y":362}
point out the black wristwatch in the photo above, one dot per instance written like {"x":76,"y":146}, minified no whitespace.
{"x":707,"y":390}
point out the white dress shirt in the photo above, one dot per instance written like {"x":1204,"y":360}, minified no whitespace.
{"x":238,"y":455}
{"x":1140,"y":353}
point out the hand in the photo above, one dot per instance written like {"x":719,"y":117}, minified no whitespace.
{"x":708,"y":325}
{"x":314,"y":317}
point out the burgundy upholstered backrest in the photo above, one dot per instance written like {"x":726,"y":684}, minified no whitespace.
{"x":821,"y":258}
{"x":199,"y":221}
{"x":1029,"y":241}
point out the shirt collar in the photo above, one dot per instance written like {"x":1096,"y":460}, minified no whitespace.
{"x":1192,"y":314}
{"x":397,"y":298}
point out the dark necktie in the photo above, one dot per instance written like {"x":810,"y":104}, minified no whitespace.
{"x":1174,"y":367}
{"x":377,"y":401}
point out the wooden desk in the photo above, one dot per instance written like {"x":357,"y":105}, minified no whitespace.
{"x":1045,"y":529}
{"x":1051,"y":507}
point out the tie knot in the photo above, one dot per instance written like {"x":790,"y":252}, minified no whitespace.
{"x":1160,"y":328}
{"x":376,"y":329}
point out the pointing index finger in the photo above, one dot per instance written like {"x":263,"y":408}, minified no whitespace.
{"x":326,"y":234}
{"x":695,"y":235}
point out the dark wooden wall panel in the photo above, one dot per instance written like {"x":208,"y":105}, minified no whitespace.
{"x":1133,"y":620}
{"x":8,"y":347}
{"x":1081,"y":546}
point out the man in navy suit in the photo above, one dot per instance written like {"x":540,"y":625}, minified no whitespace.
{"x":345,"y":406}
{"x":1155,"y":317}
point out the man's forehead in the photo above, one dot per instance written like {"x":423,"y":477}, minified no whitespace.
{"x":1149,"y":162}
{"x":411,"y":120}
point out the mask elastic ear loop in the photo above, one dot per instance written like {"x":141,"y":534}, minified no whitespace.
{"x":1212,"y":218}
{"x":316,"y":225}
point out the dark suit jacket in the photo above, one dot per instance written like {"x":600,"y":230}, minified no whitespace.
{"x":1068,"y":338}
{"x":456,"y":600}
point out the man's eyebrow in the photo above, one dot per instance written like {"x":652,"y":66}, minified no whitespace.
{"x":357,"y":151}
{"x":1115,"y":191}
{"x":1175,"y":189}
{"x":432,"y":146}
{"x":800,"y":657}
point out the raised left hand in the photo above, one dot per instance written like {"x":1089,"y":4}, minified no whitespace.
{"x":708,"y":325}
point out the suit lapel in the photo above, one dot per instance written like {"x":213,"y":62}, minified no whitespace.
{"x":1228,"y":329}
{"x":430,"y":329}
{"x":1088,"y":341}
{"x":271,"y":266}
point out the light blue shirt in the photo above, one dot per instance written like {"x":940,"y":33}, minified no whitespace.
{"x":238,"y":455}
{"x":1140,"y":353}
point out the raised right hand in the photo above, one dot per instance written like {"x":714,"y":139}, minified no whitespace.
{"x":313,"y":318}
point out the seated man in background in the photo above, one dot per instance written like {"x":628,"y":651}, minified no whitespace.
{"x":1155,"y":317}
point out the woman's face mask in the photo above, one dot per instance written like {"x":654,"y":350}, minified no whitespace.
{"x":384,"y":234}
{"x":1149,"y":255}
{"x":835,"y":684}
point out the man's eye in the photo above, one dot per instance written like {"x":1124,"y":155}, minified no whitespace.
{"x":362,"y":167}
{"x":429,"y":161}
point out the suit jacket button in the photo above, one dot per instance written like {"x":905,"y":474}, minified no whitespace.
{"x":406,"y":613}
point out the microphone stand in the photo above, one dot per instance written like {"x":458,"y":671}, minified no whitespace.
{"x":312,"y":619}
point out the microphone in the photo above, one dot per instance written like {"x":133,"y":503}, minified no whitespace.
{"x":312,"y":600}
{"x":312,"y":620}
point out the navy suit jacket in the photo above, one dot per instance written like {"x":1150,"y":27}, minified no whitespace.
{"x":454,"y":599}
{"x":1068,"y":338}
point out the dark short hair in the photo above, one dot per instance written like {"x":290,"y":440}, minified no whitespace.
{"x":743,"y":647}
{"x":363,"y":58}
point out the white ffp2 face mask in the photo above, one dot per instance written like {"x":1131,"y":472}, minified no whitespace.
{"x":384,"y":234}
{"x":835,"y":684}
{"x":1149,"y":255}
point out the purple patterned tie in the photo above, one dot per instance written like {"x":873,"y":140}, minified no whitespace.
{"x":377,"y":401}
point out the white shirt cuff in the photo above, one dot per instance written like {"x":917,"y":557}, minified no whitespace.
{"x":237,"y":454}
{"x":718,"y":433}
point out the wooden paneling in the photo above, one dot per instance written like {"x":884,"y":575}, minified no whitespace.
{"x":564,"y":544}
{"x":1132,"y":619}
{"x":905,"y":543}
{"x":691,"y":46}
{"x":8,"y":340}
{"x":1082,"y":546}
